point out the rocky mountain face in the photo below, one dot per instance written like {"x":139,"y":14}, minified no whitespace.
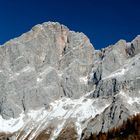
{"x":54,"y":85}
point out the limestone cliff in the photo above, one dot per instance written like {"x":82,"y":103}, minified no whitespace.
{"x":54,"y":84}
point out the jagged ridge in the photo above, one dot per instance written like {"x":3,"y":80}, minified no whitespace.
{"x":52,"y":77}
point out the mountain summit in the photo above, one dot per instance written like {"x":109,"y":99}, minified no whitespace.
{"x":54,"y":85}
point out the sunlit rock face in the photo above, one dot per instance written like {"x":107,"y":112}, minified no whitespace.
{"x":54,"y":85}
{"x":41,"y":66}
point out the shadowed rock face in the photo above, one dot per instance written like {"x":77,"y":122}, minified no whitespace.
{"x":119,"y":80}
{"x":51,"y":75}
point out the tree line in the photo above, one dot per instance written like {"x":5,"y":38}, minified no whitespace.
{"x":129,"y":130}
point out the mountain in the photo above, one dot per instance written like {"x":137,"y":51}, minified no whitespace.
{"x":129,"y":130}
{"x":54,"y":85}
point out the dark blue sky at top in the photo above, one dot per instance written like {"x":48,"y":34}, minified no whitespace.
{"x":103,"y":21}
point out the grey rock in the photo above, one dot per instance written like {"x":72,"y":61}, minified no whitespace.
{"x":135,"y":45}
{"x":119,"y":66}
{"x":112,"y":116}
{"x":51,"y":62}
{"x":41,"y":66}
{"x":106,"y":88}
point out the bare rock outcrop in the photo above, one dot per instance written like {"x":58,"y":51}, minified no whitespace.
{"x":51,"y":76}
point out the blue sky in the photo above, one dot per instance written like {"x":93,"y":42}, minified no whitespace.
{"x":103,"y":21}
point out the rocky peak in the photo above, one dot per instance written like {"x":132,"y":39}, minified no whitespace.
{"x":51,"y":77}
{"x":43,"y":64}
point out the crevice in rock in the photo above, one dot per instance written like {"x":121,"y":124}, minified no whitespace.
{"x":114,"y":83}
{"x":102,"y":126}
{"x":64,"y":51}
{"x":131,"y":50}
{"x":113,"y":114}
{"x":63,"y":90}
{"x":23,"y":102}
{"x":121,"y":112}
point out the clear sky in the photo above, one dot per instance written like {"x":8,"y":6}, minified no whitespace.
{"x":103,"y":21}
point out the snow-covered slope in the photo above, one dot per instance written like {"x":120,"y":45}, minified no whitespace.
{"x":61,"y":111}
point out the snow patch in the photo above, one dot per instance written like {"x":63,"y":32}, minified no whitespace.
{"x":57,"y":131}
{"x":60,"y":74}
{"x":46,"y":71}
{"x":119,"y":72}
{"x":80,"y":110}
{"x":27,"y":69}
{"x":79,"y":129}
{"x":83,"y":79}
{"x":39,"y":79}
{"x":11,"y":125}
{"x":130,"y":100}
{"x":37,"y":115}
